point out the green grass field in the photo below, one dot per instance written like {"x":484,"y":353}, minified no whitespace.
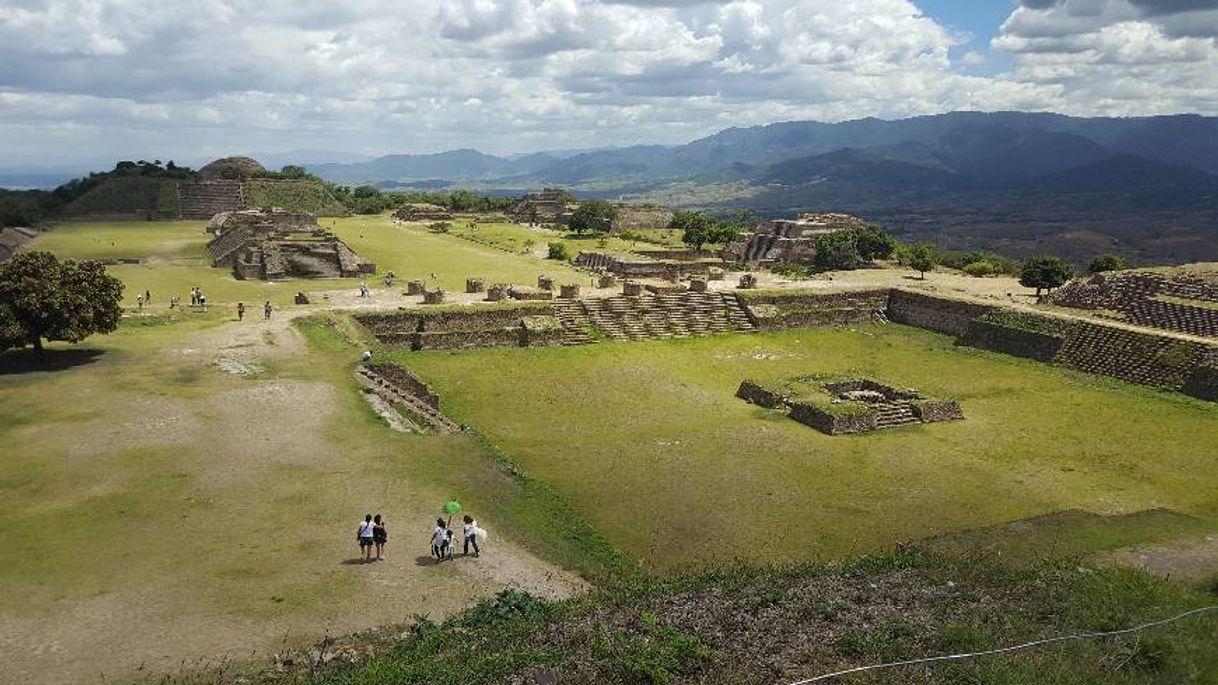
{"x":524,"y":239}
{"x":174,"y":259}
{"x":196,"y":503}
{"x":648,"y":440}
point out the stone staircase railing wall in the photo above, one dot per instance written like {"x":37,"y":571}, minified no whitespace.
{"x":1017,"y":342}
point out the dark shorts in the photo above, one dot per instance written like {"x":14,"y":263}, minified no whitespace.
{"x":365,"y":542}
{"x":380,"y":539}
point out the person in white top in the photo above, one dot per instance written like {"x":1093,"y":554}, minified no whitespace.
{"x":365,"y":535}
{"x":471,"y":534}
{"x":439,"y":540}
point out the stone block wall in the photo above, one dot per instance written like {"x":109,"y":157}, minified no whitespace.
{"x":754,"y":393}
{"x":929,"y":411}
{"x":784,"y":310}
{"x":811,"y":415}
{"x":933,"y":313}
{"x":1042,"y":347}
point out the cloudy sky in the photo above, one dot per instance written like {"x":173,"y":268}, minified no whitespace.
{"x":95,"y":80}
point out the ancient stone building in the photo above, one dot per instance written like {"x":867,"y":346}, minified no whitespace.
{"x":422,"y":212}
{"x":547,"y":207}
{"x":788,"y":241}
{"x":272,"y":245}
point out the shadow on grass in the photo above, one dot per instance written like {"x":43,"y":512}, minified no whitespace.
{"x":22,"y":361}
{"x":357,"y":561}
{"x":426,"y":561}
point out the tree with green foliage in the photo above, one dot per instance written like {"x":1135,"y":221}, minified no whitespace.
{"x":1107,"y":262}
{"x":873,"y":243}
{"x":836,"y":251}
{"x":1045,"y":272}
{"x":558,"y":251}
{"x":595,"y":216}
{"x":697,"y":228}
{"x":42,"y":297}
{"x":922,"y":258}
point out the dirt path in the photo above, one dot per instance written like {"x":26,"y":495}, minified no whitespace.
{"x":183,"y":602}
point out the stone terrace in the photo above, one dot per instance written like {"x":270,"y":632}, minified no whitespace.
{"x":205,"y":199}
{"x":675,"y":315}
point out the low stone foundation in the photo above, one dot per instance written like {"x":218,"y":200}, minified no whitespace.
{"x":632,"y":289}
{"x":606,"y":281}
{"x":415,"y":287}
{"x":531,"y":294}
{"x":848,"y":405}
{"x":545,"y":283}
{"x":433,"y":297}
{"x":747,"y":282}
{"x":474,"y":285}
{"x":569,"y":291}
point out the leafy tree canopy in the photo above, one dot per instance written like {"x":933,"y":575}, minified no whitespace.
{"x":593,"y":215}
{"x":1045,"y":272}
{"x":42,"y":297}
{"x":922,"y":258}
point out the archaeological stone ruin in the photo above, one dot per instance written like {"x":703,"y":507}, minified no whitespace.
{"x":273,"y":245}
{"x":848,"y":405}
{"x":788,"y":241}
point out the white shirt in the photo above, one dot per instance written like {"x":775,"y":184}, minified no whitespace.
{"x":471,"y":529}
{"x":365,"y":529}
{"x":439,"y":536}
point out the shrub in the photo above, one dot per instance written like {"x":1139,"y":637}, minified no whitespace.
{"x":1107,"y":262}
{"x":656,"y":656}
{"x":1045,"y":272}
{"x":439,"y":227}
{"x":982,"y":269}
{"x":559,"y":251}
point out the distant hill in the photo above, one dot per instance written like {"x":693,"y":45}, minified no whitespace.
{"x":1020,"y":182}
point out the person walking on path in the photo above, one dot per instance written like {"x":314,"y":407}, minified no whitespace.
{"x":471,"y":535}
{"x":380,"y":535}
{"x":240,"y":311}
{"x":202,"y":301}
{"x":139,"y":301}
{"x":366,"y":536}
{"x":147,"y":297}
{"x":266,"y":311}
{"x":439,"y":540}
{"x":194,"y":296}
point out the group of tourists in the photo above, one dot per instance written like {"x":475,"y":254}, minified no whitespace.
{"x":145,"y":299}
{"x":442,"y":544}
{"x":372,"y":535}
{"x":197,"y":298}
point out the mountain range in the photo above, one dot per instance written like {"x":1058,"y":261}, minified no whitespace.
{"x":1018,"y":182}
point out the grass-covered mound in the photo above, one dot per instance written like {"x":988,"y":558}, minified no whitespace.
{"x":781,"y":625}
{"x":309,"y":196}
{"x":148,"y":196}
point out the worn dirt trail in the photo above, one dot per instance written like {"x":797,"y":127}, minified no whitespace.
{"x":237,"y":445}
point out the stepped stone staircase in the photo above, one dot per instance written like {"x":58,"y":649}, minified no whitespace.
{"x":675,"y":315}
{"x":894,"y":414}
{"x":205,"y":199}
{"x":1174,"y":317}
{"x":395,"y":394}
{"x":575,"y":322}
{"x":1134,"y":357}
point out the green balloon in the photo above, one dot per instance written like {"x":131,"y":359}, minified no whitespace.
{"x":452,"y":507}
